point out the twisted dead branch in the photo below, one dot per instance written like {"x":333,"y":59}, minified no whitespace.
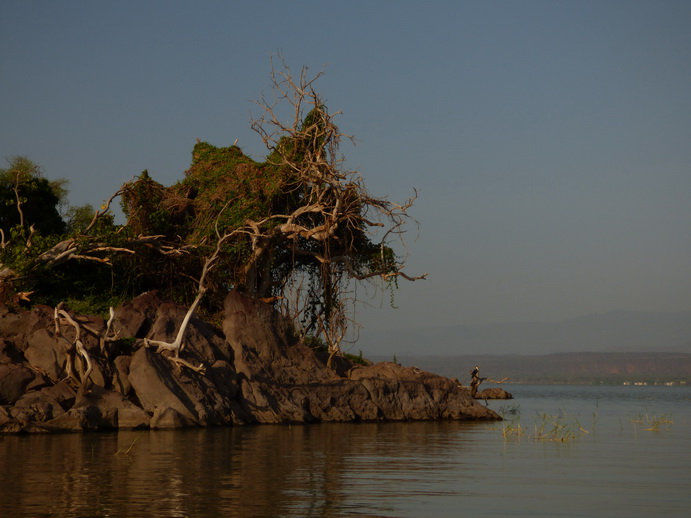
{"x":337,"y":215}
{"x":177,"y":345}
{"x":75,"y":348}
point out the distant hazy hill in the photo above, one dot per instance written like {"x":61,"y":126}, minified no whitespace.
{"x":608,"y":332}
{"x":563,"y":367}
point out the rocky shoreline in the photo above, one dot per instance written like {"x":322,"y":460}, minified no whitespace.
{"x":252,"y":370}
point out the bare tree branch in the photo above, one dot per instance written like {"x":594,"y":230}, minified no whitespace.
{"x":78,"y":346}
{"x":337,"y":215}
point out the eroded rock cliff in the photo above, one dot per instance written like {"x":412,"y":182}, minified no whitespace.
{"x":254,"y":371}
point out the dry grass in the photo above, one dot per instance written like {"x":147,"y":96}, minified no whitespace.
{"x":652,"y":423}
{"x":560,"y":428}
{"x":548,"y":427}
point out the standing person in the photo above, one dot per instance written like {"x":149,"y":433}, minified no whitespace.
{"x":475,"y":381}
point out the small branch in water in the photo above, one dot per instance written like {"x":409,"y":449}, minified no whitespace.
{"x":126,"y":452}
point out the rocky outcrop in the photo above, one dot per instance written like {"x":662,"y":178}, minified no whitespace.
{"x":493,"y":393}
{"x":254,"y":371}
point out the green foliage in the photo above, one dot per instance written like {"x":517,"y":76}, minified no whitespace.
{"x":294,"y":228}
{"x":27,"y":199}
{"x":21,"y":258}
{"x":309,"y":139}
{"x":227,"y":187}
{"x":78,"y":218}
{"x":89,"y":304}
{"x":222,"y":191}
{"x":32,"y":226}
{"x":142,"y":203}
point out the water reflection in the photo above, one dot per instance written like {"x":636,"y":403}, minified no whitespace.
{"x":259,"y":471}
{"x":394,"y":469}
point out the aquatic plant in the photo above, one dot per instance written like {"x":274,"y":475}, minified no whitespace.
{"x":510,"y":425}
{"x":512,"y":428}
{"x":509,"y":409}
{"x":128,"y":450}
{"x":652,"y":422}
{"x":559,"y":428}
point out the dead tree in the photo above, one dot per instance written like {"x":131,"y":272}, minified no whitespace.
{"x":84,"y":247}
{"x":305,"y":234}
{"x":80,"y":371}
{"x":74,"y":349}
{"x":332,"y":229}
{"x":178,"y":344}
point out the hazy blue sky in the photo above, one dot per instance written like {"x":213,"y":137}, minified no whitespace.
{"x":550,"y":140}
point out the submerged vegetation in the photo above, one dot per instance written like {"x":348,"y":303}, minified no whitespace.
{"x":560,"y":427}
{"x":652,"y":423}
{"x":564,"y":427}
{"x":296,"y":230}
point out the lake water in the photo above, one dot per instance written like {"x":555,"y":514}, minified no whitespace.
{"x":616,"y":451}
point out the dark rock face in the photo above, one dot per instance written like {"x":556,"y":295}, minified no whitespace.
{"x":13,"y":382}
{"x":255,"y":371}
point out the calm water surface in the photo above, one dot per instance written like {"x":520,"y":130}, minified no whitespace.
{"x":634,"y":460}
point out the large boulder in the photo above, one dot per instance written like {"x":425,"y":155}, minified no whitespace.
{"x":493,"y":393}
{"x":162,"y":384}
{"x":265,"y":346}
{"x":44,"y":353}
{"x":153,"y":381}
{"x":135,"y":318}
{"x":13,"y":382}
{"x":113,"y":407}
{"x":13,"y":324}
{"x":41,"y":405}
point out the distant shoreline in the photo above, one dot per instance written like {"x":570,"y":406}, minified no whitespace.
{"x":581,"y":368}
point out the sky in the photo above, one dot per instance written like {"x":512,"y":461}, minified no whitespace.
{"x":549,"y":141}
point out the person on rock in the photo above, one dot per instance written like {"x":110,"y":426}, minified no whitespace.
{"x":475,"y":381}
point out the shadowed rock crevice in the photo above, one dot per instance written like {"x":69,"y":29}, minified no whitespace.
{"x":255,"y":371}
